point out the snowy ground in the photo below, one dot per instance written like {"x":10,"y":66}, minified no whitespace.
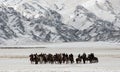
{"x":16,"y":60}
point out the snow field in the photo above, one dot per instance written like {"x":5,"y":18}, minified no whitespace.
{"x":16,"y":60}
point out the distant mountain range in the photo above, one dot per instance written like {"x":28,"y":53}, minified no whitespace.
{"x":31,"y":21}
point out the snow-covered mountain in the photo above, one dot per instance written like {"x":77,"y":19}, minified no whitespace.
{"x":34,"y":21}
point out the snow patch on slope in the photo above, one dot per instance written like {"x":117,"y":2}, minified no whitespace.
{"x":98,"y":7}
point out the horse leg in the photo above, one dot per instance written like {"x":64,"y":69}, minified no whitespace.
{"x":31,"y":61}
{"x":84,"y":61}
{"x":72,"y":61}
{"x":90,"y":60}
{"x":76,"y":61}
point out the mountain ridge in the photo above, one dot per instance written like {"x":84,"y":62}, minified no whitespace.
{"x":48,"y":24}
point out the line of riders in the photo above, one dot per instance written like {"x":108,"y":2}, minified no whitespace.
{"x":62,"y":58}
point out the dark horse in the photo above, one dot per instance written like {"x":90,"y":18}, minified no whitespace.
{"x":36,"y":58}
{"x":65,"y":58}
{"x":84,"y":58}
{"x":58,"y":58}
{"x":92,"y":58}
{"x":31,"y":58}
{"x":79,"y":59}
{"x":71,"y":58}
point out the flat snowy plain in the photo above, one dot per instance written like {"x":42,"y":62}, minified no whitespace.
{"x":17,"y":60}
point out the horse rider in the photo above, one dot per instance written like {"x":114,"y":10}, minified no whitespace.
{"x":84,"y":57}
{"x":36,"y":58}
{"x":79,"y":56}
{"x":92,"y":55}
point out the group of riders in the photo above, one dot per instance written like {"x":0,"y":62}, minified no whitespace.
{"x":62,"y":58}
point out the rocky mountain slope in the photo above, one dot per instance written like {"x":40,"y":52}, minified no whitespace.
{"x":27,"y":21}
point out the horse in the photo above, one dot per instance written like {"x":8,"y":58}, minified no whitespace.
{"x":31,"y":58}
{"x":40,"y":58}
{"x":59,"y":58}
{"x":92,"y":58}
{"x":65,"y":58}
{"x":71,"y":58}
{"x":45,"y":58}
{"x":78,"y":59}
{"x":84,"y":58}
{"x":50,"y":58}
{"x":36,"y":58}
